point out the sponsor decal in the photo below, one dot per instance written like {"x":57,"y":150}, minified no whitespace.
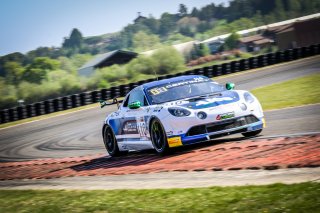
{"x":158,"y":90}
{"x":225,"y":116}
{"x":130,"y":127}
{"x":165,"y":88}
{"x":141,"y":127}
{"x":158,"y":109}
{"x":169,"y":133}
{"x":174,"y":141}
{"x":227,"y":97}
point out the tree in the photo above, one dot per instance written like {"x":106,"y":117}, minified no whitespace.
{"x":232,"y":41}
{"x":12,"y":57}
{"x":194,"y":12}
{"x":169,"y":60}
{"x":152,"y":24}
{"x":143,"y":41}
{"x":188,"y":25}
{"x":183,"y":10}
{"x":38,"y":69}
{"x":14,"y":72}
{"x":242,"y":24}
{"x":294,"y":8}
{"x":167,"y":24}
{"x":199,"y":51}
{"x":74,"y":41}
{"x":279,"y":10}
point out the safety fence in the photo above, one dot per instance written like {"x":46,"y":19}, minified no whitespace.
{"x":85,"y":98}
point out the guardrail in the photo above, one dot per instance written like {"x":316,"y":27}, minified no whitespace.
{"x":85,"y":98}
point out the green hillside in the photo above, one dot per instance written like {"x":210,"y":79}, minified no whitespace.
{"x":49,"y":72}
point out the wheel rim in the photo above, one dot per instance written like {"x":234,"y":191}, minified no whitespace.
{"x":157,"y":135}
{"x":109,"y":140}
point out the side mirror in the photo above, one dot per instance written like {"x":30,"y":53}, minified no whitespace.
{"x":135,"y":105}
{"x":230,"y":86}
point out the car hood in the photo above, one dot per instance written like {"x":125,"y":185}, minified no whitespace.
{"x":224,"y":97}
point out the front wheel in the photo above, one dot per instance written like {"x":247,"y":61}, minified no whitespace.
{"x":158,"y":137}
{"x":110,"y":142}
{"x":251,"y":134}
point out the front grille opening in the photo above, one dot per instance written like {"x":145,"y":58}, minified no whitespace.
{"x":197,"y":130}
{"x":222,"y":125}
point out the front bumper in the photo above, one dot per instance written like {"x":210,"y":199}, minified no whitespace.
{"x":221,"y":128}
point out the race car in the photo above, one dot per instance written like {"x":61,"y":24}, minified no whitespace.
{"x":180,"y":111}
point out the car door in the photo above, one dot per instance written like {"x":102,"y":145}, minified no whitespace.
{"x":134,"y":133}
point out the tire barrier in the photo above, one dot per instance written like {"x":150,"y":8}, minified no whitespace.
{"x":85,"y":98}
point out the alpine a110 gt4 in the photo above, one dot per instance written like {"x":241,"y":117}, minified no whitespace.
{"x":180,"y":111}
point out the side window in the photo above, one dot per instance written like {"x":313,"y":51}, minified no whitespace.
{"x":137,"y":95}
{"x":125,"y":103}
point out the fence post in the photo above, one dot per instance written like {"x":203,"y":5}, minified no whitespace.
{"x":75,"y":100}
{"x":124,"y":90}
{"x":22,"y":112}
{"x":287,"y":55}
{"x":31,"y":112}
{"x":208,"y":71}
{"x":5,"y":116}
{"x":190,"y":72}
{"x":235,"y":66}
{"x":95,"y":96}
{"x":314,"y":50}
{"x":66,"y":102}
{"x":85,"y":98}
{"x":39,"y":108}
{"x":253,"y":62}
{"x":271,"y":58}
{"x":57,"y":104}
{"x":48,"y":106}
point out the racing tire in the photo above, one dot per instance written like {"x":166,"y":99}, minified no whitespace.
{"x":158,"y":137}
{"x":252,"y":134}
{"x":110,"y":142}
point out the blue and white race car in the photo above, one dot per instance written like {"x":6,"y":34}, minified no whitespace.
{"x":180,"y":111}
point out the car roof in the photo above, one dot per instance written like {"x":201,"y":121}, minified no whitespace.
{"x":171,"y":80}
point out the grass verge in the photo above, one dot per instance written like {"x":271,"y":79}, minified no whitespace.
{"x":296,"y":92}
{"x":303,"y":197}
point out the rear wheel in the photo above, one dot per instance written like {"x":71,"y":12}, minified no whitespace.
{"x":110,"y":142}
{"x":251,"y":134}
{"x":158,"y":137}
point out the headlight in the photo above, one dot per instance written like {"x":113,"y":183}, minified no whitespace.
{"x":248,"y":97}
{"x":243,"y":106}
{"x":202,"y":115}
{"x":179,"y":112}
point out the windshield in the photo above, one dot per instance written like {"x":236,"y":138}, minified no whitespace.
{"x":183,"y":90}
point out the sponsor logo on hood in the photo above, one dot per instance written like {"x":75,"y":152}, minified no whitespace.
{"x":226,"y":97}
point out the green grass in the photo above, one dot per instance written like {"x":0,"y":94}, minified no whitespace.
{"x":296,"y":92}
{"x":303,"y":197}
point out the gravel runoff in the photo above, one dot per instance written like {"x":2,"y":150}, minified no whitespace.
{"x":170,"y":180}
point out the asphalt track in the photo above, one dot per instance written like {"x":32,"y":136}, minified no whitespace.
{"x":79,"y":133}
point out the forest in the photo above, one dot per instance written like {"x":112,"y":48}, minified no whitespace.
{"x":49,"y":72}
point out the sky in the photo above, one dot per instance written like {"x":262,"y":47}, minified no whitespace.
{"x":28,"y":24}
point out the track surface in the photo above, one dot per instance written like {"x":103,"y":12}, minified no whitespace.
{"x":79,"y":133}
{"x":254,"y":154}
